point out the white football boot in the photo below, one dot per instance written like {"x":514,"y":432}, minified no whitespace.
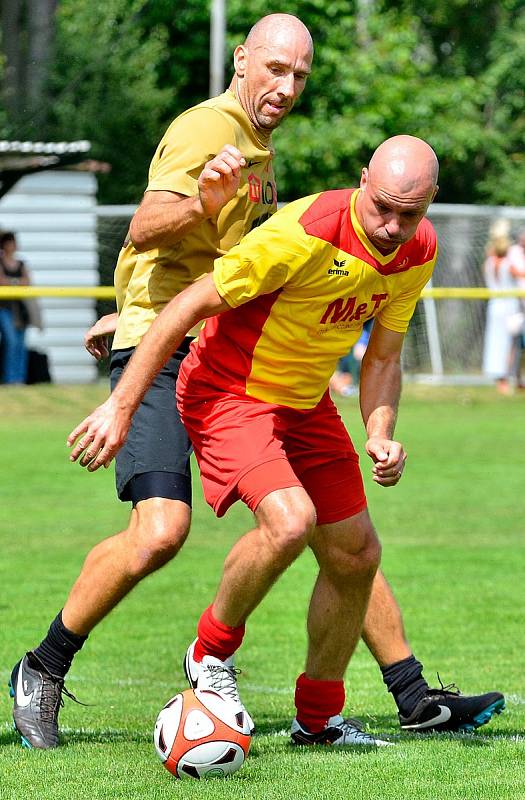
{"x":220,"y":677}
{"x":338,"y":731}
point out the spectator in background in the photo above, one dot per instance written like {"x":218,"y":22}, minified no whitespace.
{"x":14,"y":314}
{"x":516,"y":322}
{"x":499,"y":274}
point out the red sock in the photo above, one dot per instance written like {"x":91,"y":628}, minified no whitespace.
{"x":215,"y":638}
{"x":317,"y":701}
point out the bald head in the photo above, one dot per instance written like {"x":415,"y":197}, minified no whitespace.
{"x":396,"y":190}
{"x":406,"y":162}
{"x":271,"y":69}
{"x":269,"y":29}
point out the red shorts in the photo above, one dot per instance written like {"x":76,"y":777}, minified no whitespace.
{"x":247,"y":448}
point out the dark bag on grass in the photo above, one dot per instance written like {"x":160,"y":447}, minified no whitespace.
{"x":37,"y":368}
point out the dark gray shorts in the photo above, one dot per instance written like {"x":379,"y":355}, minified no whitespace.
{"x":155,"y":459}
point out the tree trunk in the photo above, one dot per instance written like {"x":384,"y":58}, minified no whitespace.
{"x":41,"y":30}
{"x":28,"y":28}
{"x":12,"y":45}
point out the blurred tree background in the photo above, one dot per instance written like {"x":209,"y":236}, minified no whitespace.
{"x":117,"y":71}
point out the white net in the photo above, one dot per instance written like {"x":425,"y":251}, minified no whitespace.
{"x":446,"y":336}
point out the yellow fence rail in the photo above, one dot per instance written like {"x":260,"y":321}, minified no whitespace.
{"x":108,"y":292}
{"x":19,"y":292}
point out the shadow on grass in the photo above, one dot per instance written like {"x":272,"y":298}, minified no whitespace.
{"x":70,"y":738}
{"x":8,"y":737}
{"x":278,"y":728}
{"x":382,"y":726}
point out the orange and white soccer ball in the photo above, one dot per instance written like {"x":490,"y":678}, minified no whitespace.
{"x":199,"y":735}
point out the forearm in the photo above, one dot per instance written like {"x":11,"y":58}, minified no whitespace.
{"x":161,"y":340}
{"x":163,"y":224}
{"x":197,"y":302}
{"x":107,"y":324}
{"x":379,"y":391}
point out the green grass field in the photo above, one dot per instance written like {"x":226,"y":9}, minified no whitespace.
{"x":453,"y":536}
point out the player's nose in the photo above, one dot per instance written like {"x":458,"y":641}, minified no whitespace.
{"x":393,"y":226}
{"x":287,"y":85}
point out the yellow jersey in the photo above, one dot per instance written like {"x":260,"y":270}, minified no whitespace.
{"x":146,"y":282}
{"x":300,"y":289}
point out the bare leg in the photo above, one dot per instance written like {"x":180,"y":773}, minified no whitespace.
{"x":383,"y":631}
{"x":156,"y":531}
{"x":286,"y":519}
{"x":348,"y":554}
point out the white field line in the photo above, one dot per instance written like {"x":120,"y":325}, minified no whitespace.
{"x":511,"y":699}
{"x":251,"y":687}
{"x":515,"y":699}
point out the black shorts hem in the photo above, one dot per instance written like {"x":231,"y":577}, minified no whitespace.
{"x":168,"y":485}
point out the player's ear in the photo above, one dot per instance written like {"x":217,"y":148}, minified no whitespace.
{"x":364,"y":178}
{"x":240,"y":57}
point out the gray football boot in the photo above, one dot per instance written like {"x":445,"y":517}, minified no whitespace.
{"x":37,"y":701}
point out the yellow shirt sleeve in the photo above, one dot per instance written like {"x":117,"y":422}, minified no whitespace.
{"x":191,"y":140}
{"x":396,"y":315}
{"x":264,"y":261}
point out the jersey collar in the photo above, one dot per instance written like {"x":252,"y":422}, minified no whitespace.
{"x":382,"y":258}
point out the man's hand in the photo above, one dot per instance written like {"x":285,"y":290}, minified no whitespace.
{"x":389,"y":460}
{"x":96,"y":338}
{"x":103,"y":434}
{"x":220,"y":179}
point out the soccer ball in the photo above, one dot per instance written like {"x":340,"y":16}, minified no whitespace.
{"x":198,"y":735}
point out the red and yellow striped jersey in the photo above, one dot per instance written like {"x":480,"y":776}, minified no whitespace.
{"x":301,"y":287}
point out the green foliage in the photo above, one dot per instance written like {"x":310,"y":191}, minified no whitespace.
{"x":502,"y":179}
{"x":369,"y":92}
{"x":106,"y":88}
{"x":449,"y":72}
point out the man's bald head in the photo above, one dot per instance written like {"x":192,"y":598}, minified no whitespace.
{"x":396,"y":190}
{"x":269,"y":29}
{"x":271,"y":69}
{"x":406,"y":162}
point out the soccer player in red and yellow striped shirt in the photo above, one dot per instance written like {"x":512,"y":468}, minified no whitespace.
{"x":281,"y":308}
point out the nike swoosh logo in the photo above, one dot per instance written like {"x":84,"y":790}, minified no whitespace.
{"x":444,"y":715}
{"x":253,"y":163}
{"x":22,"y":699}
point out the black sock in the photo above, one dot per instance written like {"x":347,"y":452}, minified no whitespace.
{"x":406,"y":683}
{"x":59,"y":647}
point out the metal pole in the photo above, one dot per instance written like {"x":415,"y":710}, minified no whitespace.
{"x":434,"y":343}
{"x":217,"y":46}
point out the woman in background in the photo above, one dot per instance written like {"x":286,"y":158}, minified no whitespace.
{"x":500,"y":273}
{"x":14,"y":317}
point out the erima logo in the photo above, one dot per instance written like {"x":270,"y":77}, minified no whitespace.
{"x":443,"y":716}
{"x":338,"y":268}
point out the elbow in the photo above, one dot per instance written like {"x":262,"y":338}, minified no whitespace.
{"x":387,"y":363}
{"x":139,"y":239}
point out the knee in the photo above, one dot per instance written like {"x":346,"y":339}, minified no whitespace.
{"x":350,"y":561}
{"x":369,"y":556}
{"x":155,"y":541}
{"x":291,"y":536}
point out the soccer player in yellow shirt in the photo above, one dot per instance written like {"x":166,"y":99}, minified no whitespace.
{"x":281,"y":308}
{"x":187,"y":218}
